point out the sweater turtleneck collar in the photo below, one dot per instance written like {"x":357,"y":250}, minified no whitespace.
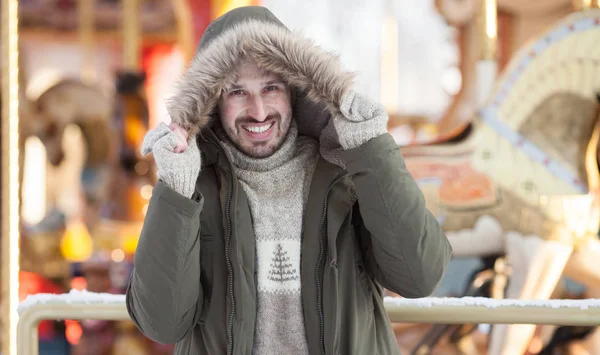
{"x":242,"y":161}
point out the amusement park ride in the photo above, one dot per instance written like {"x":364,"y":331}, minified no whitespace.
{"x":511,"y":174}
{"x":520,"y":179}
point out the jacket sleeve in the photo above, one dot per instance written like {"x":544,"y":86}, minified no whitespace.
{"x":409,"y":252}
{"x":164,"y":292}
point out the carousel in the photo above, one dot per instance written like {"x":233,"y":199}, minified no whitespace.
{"x":511,"y":170}
{"x":83,"y":184}
{"x":508,"y":162}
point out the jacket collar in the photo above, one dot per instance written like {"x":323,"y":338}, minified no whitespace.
{"x":213,"y":153}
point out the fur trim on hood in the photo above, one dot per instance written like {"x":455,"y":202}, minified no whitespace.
{"x":315,"y":75}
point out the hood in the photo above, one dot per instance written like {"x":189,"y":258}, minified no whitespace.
{"x":253,"y":32}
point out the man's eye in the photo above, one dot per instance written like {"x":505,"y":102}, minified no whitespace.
{"x":236,"y":92}
{"x":271,"y":88}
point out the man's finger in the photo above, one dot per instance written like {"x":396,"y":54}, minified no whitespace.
{"x":177,"y":128}
{"x":182,"y":135}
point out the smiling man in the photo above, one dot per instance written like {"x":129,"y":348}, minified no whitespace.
{"x":256,"y":112}
{"x":283,"y":206}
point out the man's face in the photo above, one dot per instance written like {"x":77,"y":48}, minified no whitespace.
{"x":256,"y":111}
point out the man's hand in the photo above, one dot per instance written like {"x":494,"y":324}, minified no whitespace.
{"x":177,"y":158}
{"x":360,"y":120}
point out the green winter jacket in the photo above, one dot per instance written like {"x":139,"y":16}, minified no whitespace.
{"x":365,"y":228}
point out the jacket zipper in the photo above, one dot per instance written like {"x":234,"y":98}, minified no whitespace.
{"x":229,"y":268}
{"x":320,"y":262}
{"x":227,"y":258}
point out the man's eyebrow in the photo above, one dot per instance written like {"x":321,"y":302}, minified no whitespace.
{"x":273,"y":82}
{"x":235,"y":87}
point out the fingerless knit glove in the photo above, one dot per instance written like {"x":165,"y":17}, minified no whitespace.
{"x":178,"y":170}
{"x":361,"y":120}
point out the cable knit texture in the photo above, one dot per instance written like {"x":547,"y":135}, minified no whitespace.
{"x":277,"y":188}
{"x":178,"y":170}
{"x":360,"y":120}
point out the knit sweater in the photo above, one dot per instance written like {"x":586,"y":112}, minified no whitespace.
{"x":277,"y":189}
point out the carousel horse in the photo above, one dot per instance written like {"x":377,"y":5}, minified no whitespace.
{"x":69,"y":101}
{"x":523,"y":177}
{"x":65,"y":104}
{"x":112,"y":173}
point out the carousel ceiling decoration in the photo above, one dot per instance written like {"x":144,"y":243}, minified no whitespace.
{"x":62,"y":15}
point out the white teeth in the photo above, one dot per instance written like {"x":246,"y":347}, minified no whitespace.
{"x":258,"y":129}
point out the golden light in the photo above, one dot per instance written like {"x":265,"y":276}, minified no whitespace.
{"x":76,"y":244}
{"x":581,"y":5}
{"x":491,"y":23}
{"x":221,"y":7}
{"x":117,"y":255}
{"x":10,"y":175}
{"x":141,"y":168}
{"x":146,"y":191}
{"x":34,"y":181}
{"x":79,"y":283}
{"x":129,"y":242}
{"x":579,"y":214}
{"x":488,"y":26}
{"x":577,"y":211}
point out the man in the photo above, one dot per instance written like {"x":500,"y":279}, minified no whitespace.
{"x":275,"y":227}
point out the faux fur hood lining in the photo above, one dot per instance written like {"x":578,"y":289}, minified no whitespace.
{"x":315,"y":74}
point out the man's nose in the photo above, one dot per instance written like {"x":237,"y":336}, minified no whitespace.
{"x":257,"y":109}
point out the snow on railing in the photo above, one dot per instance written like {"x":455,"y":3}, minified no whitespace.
{"x":74,"y":297}
{"x":428,"y":302}
{"x":79,"y":305}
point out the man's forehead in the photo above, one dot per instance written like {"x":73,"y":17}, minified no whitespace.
{"x":249,"y":71}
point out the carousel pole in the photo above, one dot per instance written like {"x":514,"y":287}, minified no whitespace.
{"x":185,"y":29}
{"x":132,"y":113}
{"x":10,"y":175}
{"x":463,"y":16}
{"x":487,"y":68}
{"x":582,"y":5}
{"x":86,"y":39}
{"x":487,"y":19}
{"x":131,"y":35}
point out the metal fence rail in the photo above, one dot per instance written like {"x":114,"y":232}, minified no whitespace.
{"x":84,"y":305}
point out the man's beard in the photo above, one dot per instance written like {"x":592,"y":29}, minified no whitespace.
{"x":263,"y":149}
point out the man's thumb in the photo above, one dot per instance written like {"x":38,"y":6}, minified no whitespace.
{"x":153,"y":136}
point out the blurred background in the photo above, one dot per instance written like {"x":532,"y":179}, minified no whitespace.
{"x":95,"y":74}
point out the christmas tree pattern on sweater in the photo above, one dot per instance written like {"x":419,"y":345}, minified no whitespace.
{"x":281,"y":269}
{"x":278,"y":266}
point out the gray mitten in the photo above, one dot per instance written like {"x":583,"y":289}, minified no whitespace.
{"x":178,"y":170}
{"x":361,"y":120}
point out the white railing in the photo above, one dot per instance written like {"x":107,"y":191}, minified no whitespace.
{"x":85,"y":305}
